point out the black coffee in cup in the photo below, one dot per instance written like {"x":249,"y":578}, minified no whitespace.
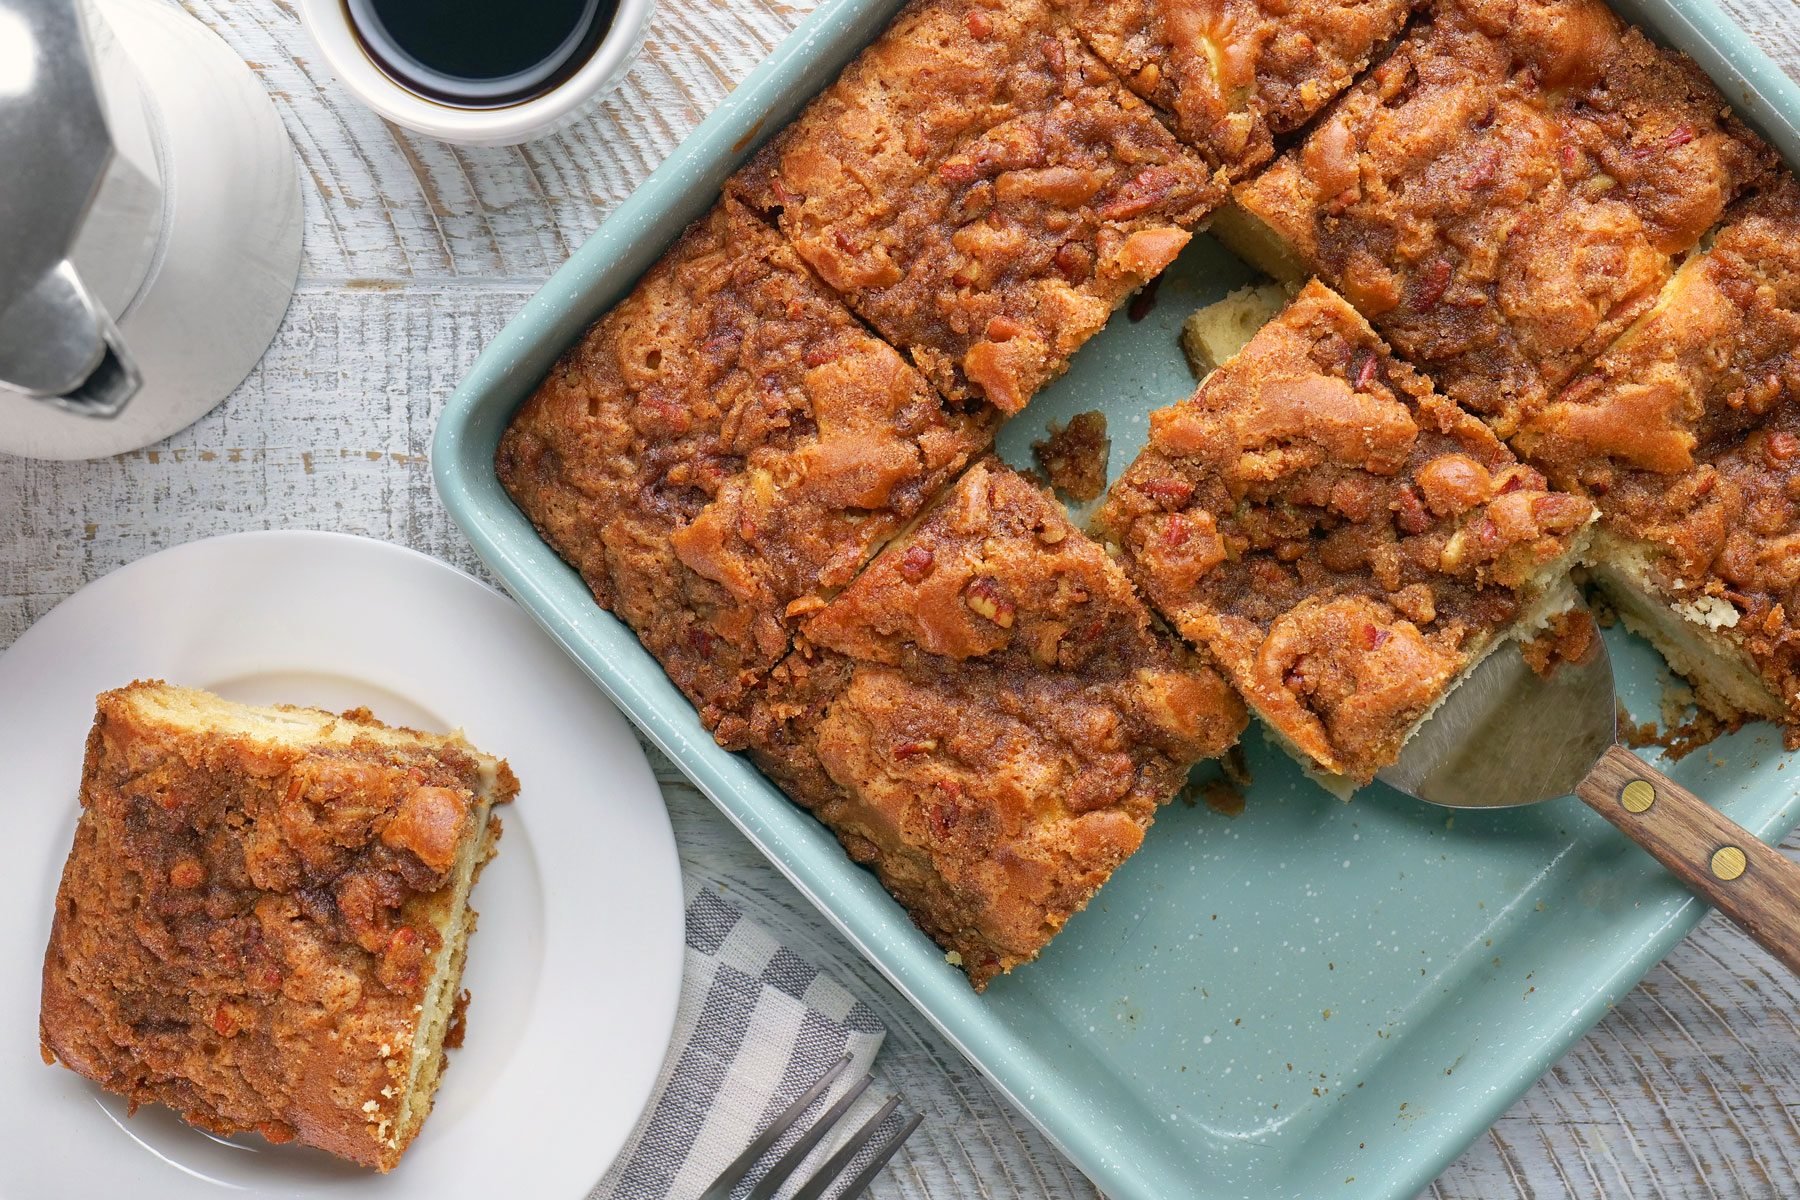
{"x":480,"y":53}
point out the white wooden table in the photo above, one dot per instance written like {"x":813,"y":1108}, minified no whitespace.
{"x":417,"y":253}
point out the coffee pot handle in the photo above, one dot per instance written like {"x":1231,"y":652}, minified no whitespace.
{"x":59,"y":346}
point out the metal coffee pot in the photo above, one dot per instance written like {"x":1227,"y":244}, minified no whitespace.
{"x":150,"y":224}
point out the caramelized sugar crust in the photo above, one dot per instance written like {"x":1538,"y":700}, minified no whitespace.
{"x":1503,"y":196}
{"x":722,"y":447}
{"x":1718,"y":354}
{"x":246,"y":930}
{"x":1234,"y":74}
{"x":1344,"y":540}
{"x":988,"y":717}
{"x":980,"y":189}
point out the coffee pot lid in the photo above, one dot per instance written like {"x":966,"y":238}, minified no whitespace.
{"x":55,"y":144}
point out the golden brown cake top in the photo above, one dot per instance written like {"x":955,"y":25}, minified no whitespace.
{"x":722,"y":447}
{"x":1503,"y":194}
{"x":1640,"y":119}
{"x":246,"y":927}
{"x":979,"y":187}
{"x":989,"y":717}
{"x":1233,"y":74}
{"x":1338,"y":535}
{"x":1719,"y":351}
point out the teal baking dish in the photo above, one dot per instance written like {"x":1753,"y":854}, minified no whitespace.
{"x":1310,"y":999}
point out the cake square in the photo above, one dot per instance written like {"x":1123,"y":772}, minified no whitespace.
{"x":981,"y":190}
{"x":1505,"y":193}
{"x":1684,"y":433}
{"x":263,"y":918}
{"x":1717,"y":354}
{"x":989,"y":718}
{"x":1344,"y":541}
{"x":1235,"y":74}
{"x":722,"y":448}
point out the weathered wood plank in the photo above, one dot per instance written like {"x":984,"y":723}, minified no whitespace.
{"x":331,"y":431}
{"x":417,"y":253}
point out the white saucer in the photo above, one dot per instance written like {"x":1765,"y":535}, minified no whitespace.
{"x":576,"y":966}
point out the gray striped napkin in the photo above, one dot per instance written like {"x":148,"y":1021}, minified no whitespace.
{"x":758,"y":1024}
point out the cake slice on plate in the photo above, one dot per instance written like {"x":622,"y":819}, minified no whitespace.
{"x":1345,"y":541}
{"x":989,"y":718}
{"x":263,"y":919}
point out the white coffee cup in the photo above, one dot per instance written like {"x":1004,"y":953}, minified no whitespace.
{"x":328,"y":21}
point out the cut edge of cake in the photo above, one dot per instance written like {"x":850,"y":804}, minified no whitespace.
{"x":1555,"y":595}
{"x":1685,"y":631}
{"x":1255,"y":241}
{"x":444,"y":1003}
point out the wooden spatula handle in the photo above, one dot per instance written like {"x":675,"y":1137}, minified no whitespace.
{"x":1748,"y":881}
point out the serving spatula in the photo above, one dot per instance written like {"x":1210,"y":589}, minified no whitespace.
{"x":1508,"y":736}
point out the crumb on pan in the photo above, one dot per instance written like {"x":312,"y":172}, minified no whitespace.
{"x":1216,"y":332}
{"x":1074,"y":456}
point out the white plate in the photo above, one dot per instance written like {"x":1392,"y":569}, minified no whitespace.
{"x":576,"y":967}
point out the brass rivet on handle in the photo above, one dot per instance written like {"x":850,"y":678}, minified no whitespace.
{"x":1728,"y":862}
{"x":1638,"y":796}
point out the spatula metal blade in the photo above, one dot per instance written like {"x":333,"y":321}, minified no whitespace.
{"x":1508,"y":736}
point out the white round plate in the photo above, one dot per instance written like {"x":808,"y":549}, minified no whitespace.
{"x":576,"y":966}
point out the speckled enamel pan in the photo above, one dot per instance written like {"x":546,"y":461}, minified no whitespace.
{"x":1312,"y":999}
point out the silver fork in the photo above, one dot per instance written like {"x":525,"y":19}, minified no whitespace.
{"x":834,"y":1166}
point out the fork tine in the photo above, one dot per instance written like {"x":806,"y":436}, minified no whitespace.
{"x":740,"y":1166}
{"x":828,"y":1171}
{"x":866,"y":1176}
{"x":771,"y":1183}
